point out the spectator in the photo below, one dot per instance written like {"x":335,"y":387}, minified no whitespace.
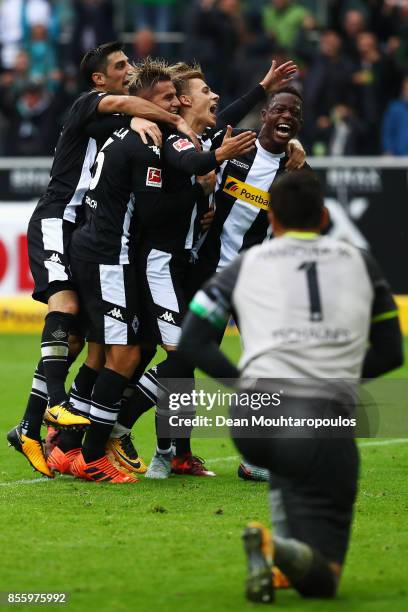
{"x":395,"y":124}
{"x":15,"y":17}
{"x":353,"y":23}
{"x":307,"y":40}
{"x":342,"y":133}
{"x":326,"y":84}
{"x":282,"y":20}
{"x":215,"y":32}
{"x":34,"y":126}
{"x":13,"y":81}
{"x":154,"y":15}
{"x":93,"y":25}
{"x":144,"y":45}
{"x":42,"y":57}
{"x":376,"y":80}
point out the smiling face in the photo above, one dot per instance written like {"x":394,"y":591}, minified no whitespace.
{"x":115,"y":78}
{"x":283,"y":118}
{"x":202,"y":101}
{"x":164,"y":95}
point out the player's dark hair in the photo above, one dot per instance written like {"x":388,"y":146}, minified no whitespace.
{"x":297,"y":200}
{"x":96,"y":60}
{"x":289,"y":89}
{"x":182,"y":73}
{"x":147,"y":73}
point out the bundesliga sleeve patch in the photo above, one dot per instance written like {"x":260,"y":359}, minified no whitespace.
{"x":182,"y":144}
{"x":154,"y":177}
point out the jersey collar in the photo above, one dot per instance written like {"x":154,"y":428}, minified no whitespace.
{"x":268,"y":153}
{"x":302,"y":235}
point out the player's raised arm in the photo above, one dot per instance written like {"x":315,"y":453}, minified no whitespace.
{"x":276,"y":77}
{"x":180,"y":152}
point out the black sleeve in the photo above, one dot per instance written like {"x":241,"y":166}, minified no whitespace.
{"x":103,"y":126}
{"x":237,"y":110}
{"x":209,"y":313}
{"x":85,"y":107}
{"x":180,"y":153}
{"x":385,"y":352}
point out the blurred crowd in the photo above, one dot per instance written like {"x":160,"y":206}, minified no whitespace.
{"x":352,"y":54}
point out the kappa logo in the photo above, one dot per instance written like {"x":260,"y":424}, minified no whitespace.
{"x":232,"y":186}
{"x":182,"y":144}
{"x":154,"y":177}
{"x":59,"y":334}
{"x":55,"y":258}
{"x":167,"y":316}
{"x":116,"y":313}
{"x":155,"y":149}
{"x":240,"y":164}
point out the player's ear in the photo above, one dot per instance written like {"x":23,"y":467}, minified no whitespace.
{"x":185,"y":100}
{"x":98,"y":79}
{"x":263,"y":115}
{"x":324,"y":219}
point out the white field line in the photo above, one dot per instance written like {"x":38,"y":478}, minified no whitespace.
{"x":210,"y":461}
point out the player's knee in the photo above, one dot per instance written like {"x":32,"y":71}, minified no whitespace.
{"x":320,"y":582}
{"x":123,"y":359}
{"x":96,"y":356}
{"x":66,"y":302}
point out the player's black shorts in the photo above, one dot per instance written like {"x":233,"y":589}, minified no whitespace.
{"x":109,"y":301}
{"x":48,"y":243}
{"x":162,"y":276}
{"x":313,"y":483}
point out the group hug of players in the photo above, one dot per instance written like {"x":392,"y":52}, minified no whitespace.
{"x":134,"y":226}
{"x":111,"y":246}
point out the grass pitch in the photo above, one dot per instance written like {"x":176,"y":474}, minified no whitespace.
{"x":175,"y":545}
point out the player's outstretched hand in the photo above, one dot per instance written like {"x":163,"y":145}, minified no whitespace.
{"x":186,"y":129}
{"x":145,"y":128}
{"x":233,"y":146}
{"x":207,"y":182}
{"x":297,"y":155}
{"x":278,"y":75}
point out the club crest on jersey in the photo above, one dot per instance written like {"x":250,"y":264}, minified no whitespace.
{"x":246,"y":193}
{"x":135,"y":324}
{"x":182,"y":144}
{"x":154,"y":177}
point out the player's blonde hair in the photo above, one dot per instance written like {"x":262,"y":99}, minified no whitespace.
{"x":146,"y":73}
{"x":182,"y":73}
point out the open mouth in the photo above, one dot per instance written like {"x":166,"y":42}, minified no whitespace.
{"x":213,"y":109}
{"x":283,"y":130}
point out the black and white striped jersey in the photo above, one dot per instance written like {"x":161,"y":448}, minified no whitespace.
{"x":75,"y":154}
{"x":241,"y":199}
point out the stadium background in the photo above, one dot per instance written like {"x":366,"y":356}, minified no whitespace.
{"x":353,"y":59}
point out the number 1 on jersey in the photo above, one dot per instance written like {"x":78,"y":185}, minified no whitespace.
{"x":310,"y":268}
